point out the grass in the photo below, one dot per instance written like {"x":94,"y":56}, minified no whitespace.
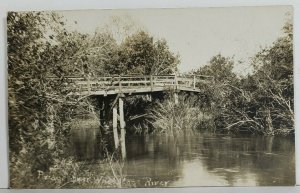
{"x":70,"y":173}
{"x":170,"y":118}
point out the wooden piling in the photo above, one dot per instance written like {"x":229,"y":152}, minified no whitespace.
{"x":122,"y":126}
{"x":102,"y":115}
{"x":115,"y":125}
{"x":176,"y":97}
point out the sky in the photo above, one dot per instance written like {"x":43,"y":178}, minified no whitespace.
{"x":197,"y":34}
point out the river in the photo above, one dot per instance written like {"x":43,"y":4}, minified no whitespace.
{"x":200,"y":159}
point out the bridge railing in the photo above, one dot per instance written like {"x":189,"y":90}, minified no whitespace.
{"x":93,"y":84}
{"x":125,"y":82}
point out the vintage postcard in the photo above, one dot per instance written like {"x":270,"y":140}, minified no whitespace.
{"x":151,"y":98}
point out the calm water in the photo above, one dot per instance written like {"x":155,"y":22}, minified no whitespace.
{"x":200,"y":159}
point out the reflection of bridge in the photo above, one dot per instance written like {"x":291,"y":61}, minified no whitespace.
{"x":112,"y":90}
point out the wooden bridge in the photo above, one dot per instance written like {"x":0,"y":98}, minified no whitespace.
{"x":113,"y":89}
{"x":112,"y":85}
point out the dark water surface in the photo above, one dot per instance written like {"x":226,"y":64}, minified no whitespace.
{"x":201,"y":159}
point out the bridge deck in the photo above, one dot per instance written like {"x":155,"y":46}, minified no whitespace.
{"x":134,"y":84}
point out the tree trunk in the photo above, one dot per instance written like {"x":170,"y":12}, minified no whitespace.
{"x":270,"y":129}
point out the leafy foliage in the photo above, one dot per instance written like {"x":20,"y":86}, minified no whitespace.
{"x":220,"y":68}
{"x":140,"y":54}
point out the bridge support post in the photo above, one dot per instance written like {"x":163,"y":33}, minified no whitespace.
{"x":115,"y":127}
{"x":102,"y":115}
{"x":102,"y":118}
{"x":122,"y":126}
{"x":176,"y":97}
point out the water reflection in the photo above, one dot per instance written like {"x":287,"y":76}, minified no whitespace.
{"x":202,"y":159}
{"x":85,"y":143}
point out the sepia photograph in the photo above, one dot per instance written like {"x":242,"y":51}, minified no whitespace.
{"x":151,"y":98}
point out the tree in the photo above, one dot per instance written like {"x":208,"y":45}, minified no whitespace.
{"x":26,"y":87}
{"x":219,"y":67}
{"x":165,"y":62}
{"x":140,"y":54}
{"x":26,"y":74}
{"x":261,"y":102}
{"x":35,"y":51}
{"x":274,"y":79}
{"x":219,"y":87}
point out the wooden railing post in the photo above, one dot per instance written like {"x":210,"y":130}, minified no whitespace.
{"x":194,"y":83}
{"x":120,"y":84}
{"x":89,"y":84}
{"x":176,"y":82}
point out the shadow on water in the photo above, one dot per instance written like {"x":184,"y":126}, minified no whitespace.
{"x":200,"y":159}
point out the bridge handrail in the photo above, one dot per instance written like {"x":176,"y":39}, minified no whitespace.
{"x":127,"y":76}
{"x":91,"y":84}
